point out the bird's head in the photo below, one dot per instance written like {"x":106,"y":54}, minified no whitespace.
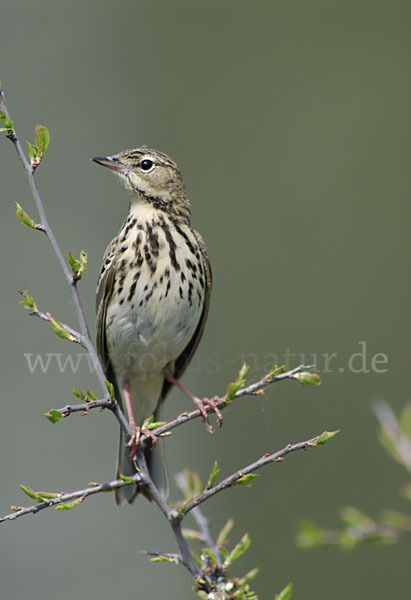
{"x":149,"y":176}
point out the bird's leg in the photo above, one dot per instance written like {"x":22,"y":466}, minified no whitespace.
{"x":135,"y":429}
{"x":201,"y":404}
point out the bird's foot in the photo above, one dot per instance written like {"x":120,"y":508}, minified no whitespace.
{"x":203,"y":404}
{"x":134,"y":440}
{"x":136,"y":434}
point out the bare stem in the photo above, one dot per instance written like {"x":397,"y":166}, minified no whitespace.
{"x":261,"y":462}
{"x":45,"y":227}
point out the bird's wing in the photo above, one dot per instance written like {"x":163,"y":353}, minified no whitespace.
{"x":103,"y":294}
{"x":186,"y":355}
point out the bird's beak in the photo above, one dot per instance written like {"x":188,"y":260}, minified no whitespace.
{"x":109,"y":161}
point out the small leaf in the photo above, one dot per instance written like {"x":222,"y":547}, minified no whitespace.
{"x":276,"y":370}
{"x":238,"y":550}
{"x":60,"y":330}
{"x":246,"y":479}
{"x":23,"y":217}
{"x":211,"y":556}
{"x":355,"y":518}
{"x":213,"y":475}
{"x":42,"y":139}
{"x":239,"y":383}
{"x":191,"y":534}
{"x":31,"y":493}
{"x":396,"y":519}
{"x":126,"y":479}
{"x":151,"y":424}
{"x":6,"y":122}
{"x":324,"y":437}
{"x":309,"y":535}
{"x":78,"y":266}
{"x":91,"y":396}
{"x":69,"y":505}
{"x":78,"y":394}
{"x":307,"y":377}
{"x":33,"y":154}
{"x":286,"y":593}
{"x":250,"y":575}
{"x":110,"y":389}
{"x":28,"y":300}
{"x":48,"y":495}
{"x":54,"y":416}
{"x":222,"y":536}
{"x":164,"y":557}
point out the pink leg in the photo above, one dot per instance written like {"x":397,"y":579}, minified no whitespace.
{"x":201,"y":404}
{"x":136,"y":430}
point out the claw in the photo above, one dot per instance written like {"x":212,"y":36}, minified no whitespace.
{"x":135,"y":438}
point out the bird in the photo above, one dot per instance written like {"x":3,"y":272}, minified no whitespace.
{"x":152,"y":300}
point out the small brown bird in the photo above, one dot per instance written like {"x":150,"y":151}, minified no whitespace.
{"x":152,"y":297}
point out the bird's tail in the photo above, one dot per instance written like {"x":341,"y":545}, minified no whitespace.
{"x":155,"y":462}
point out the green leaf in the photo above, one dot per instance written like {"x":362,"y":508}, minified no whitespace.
{"x":246,"y":479}
{"x":224,"y":533}
{"x":210,"y":554}
{"x":250,"y":575}
{"x":60,"y":330}
{"x":33,"y":154}
{"x":238,"y":550}
{"x":28,"y":300}
{"x":354,"y":517}
{"x":191,"y":534}
{"x":126,"y":479}
{"x":309,"y":535}
{"x":276,"y":370}
{"x":238,"y":384}
{"x":286,"y":593}
{"x":324,"y":437}
{"x":78,"y":266}
{"x":54,"y":416}
{"x":405,"y":420}
{"x":23,"y":217}
{"x":6,"y":122}
{"x":213,"y":475}
{"x":31,"y":493}
{"x":78,"y":394}
{"x":170,"y":558}
{"x":69,"y":505}
{"x":91,"y":396}
{"x":151,"y":424}
{"x":48,"y":495}
{"x":396,"y":519}
{"x":110,"y":389}
{"x":307,"y":377}
{"x":42,"y":139}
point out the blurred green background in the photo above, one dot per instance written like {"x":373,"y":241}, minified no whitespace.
{"x":290,"y":121}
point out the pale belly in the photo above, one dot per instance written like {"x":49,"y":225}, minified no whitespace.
{"x":144,"y":340}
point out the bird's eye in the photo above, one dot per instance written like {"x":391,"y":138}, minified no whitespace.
{"x":147,"y":165}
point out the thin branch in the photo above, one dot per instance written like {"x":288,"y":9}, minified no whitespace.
{"x":185,"y":417}
{"x":170,"y":514}
{"x":391,"y":428}
{"x":112,"y":405}
{"x":65,"y":498}
{"x":142,"y":477}
{"x":261,"y":462}
{"x":45,"y":227}
{"x":202,"y":522}
{"x":47,"y":317}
